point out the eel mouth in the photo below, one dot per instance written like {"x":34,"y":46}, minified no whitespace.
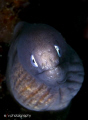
{"x":53,"y":76}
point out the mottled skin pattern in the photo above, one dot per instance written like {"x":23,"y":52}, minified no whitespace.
{"x":56,"y":80}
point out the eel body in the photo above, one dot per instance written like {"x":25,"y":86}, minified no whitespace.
{"x":43,"y":73}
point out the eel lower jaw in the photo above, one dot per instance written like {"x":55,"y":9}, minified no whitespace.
{"x":53,"y":76}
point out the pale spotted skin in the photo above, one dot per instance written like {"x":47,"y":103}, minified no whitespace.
{"x":54,"y":80}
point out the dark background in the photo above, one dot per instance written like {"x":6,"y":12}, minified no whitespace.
{"x":70,"y":18}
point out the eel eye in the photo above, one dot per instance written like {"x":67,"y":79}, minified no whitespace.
{"x":33,"y":61}
{"x":58,"y":50}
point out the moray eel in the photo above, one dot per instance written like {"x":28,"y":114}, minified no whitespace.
{"x":44,"y":73}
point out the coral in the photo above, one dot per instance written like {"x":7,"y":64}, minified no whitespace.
{"x":9,"y":16}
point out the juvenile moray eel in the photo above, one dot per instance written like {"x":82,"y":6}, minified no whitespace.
{"x":44,"y":73}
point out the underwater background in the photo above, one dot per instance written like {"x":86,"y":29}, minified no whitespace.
{"x":68,"y":17}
